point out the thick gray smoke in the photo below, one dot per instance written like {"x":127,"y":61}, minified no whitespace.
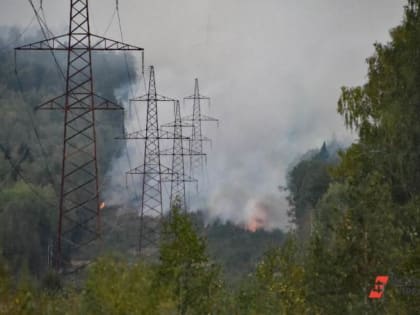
{"x":273,"y":69}
{"x":122,"y":189}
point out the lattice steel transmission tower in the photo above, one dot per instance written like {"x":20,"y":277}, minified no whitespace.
{"x":79,"y":207}
{"x":197,"y":138}
{"x":152,"y":170}
{"x":178,"y":154}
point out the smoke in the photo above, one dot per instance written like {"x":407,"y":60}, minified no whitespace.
{"x":244,"y":188}
{"x":273,"y":69}
{"x":122,"y":188}
{"x":274,"y":72}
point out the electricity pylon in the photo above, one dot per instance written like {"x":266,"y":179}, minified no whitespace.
{"x":178,"y":153}
{"x":152,"y":170}
{"x":197,"y":138}
{"x":80,"y":205}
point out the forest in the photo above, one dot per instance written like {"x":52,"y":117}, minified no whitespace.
{"x":356,"y":210}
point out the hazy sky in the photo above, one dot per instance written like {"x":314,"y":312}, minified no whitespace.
{"x":273,"y":68}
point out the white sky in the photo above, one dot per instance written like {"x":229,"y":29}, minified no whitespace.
{"x":273,"y":68}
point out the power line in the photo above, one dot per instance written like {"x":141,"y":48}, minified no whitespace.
{"x":126,"y":59}
{"x":45,"y":19}
{"x":110,"y":21}
{"x":12,"y":43}
{"x":130,"y":80}
{"x":43,"y":25}
{"x":40,"y":15}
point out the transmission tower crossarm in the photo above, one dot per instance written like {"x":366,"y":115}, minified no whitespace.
{"x":147,"y":97}
{"x":187,"y":152}
{"x":104,"y":43}
{"x":141,"y":135}
{"x":61,"y":42}
{"x":75,"y":101}
{"x":195,"y":97}
{"x":54,"y":43}
{"x":173,"y":124}
{"x":203,"y":139}
{"x":139,"y":170}
{"x":201,"y":118}
{"x":160,"y":170}
{"x":180,"y":177}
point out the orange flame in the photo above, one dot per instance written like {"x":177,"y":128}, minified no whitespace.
{"x":255,"y":224}
{"x":258,"y":219}
{"x":102,"y":205}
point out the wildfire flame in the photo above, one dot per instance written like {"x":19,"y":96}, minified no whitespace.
{"x":102,"y":205}
{"x":255,"y":224}
{"x":258,"y":219}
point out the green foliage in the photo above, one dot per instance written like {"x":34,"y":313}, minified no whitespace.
{"x":26,"y":226}
{"x":307,"y":182}
{"x":238,"y":250}
{"x":384,"y":111}
{"x":277,"y":286}
{"x":186,"y":269}
{"x":234,"y":248}
{"x":366,"y":222}
{"x":114,"y":287}
{"x":367,"y":226}
{"x":24,"y":298}
{"x":329,"y":211}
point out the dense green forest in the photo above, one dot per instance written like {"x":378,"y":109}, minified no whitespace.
{"x":357,"y":215}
